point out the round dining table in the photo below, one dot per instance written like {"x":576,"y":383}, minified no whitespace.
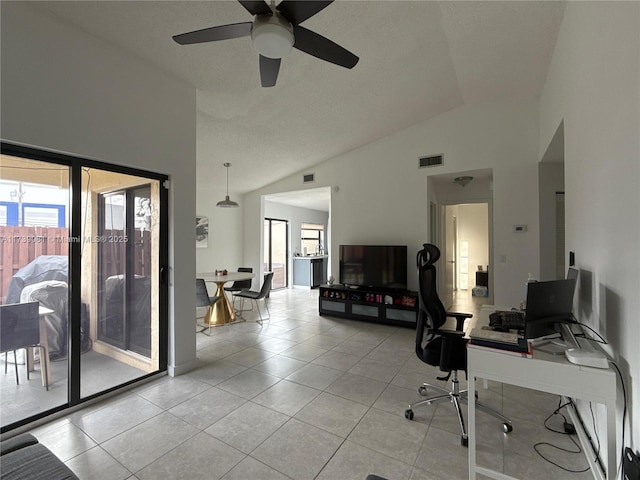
{"x":221,"y":312}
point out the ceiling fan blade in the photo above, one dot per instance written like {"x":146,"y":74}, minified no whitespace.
{"x":212,"y":34}
{"x":256,"y":7}
{"x":269,"y":68}
{"x":297,"y":11}
{"x":323,"y":48}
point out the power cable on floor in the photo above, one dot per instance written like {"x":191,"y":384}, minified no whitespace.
{"x":568,"y":430}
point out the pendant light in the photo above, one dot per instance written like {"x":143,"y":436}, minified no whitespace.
{"x":226,"y":203}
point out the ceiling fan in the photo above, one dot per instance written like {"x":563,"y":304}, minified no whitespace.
{"x":274,"y":31}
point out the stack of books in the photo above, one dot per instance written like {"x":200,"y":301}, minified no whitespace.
{"x":502,"y":342}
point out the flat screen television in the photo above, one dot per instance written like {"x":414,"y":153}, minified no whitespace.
{"x":378,"y":266}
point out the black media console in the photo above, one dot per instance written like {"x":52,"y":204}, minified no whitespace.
{"x":393,"y":307}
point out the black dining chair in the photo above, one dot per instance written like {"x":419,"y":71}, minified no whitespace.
{"x":204,"y":300}
{"x":255,"y":296}
{"x":20,"y":329}
{"x":239,"y":285}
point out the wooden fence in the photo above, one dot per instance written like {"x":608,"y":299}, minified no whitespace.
{"x":21,"y":245}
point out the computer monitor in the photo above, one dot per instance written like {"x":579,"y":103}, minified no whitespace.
{"x":549,"y":305}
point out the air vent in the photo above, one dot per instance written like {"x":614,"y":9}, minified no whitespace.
{"x":430,"y":161}
{"x":308,"y":178}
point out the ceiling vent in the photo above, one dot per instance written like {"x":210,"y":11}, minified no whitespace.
{"x":430,"y":161}
{"x":308,"y":178}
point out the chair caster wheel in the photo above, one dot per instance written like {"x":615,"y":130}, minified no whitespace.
{"x":422,"y":391}
{"x":408,"y":413}
{"x":464,"y":441}
{"x":507,"y":427}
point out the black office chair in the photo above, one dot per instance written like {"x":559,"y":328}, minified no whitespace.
{"x":446,"y":349}
{"x":239,"y":285}
{"x":204,"y":300}
{"x":20,"y":328}
{"x":255,"y":296}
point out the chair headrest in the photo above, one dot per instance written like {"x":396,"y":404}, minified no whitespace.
{"x":428,"y":255}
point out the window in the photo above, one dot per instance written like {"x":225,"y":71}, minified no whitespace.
{"x":35,"y":215}
{"x":312,"y":237}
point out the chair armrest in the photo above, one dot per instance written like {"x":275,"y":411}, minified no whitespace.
{"x":445,"y":332}
{"x":460,"y":318}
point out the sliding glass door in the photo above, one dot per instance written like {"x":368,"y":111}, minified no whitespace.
{"x":124,"y":267}
{"x":34,"y":267}
{"x":87,"y":242}
{"x":276,"y":252}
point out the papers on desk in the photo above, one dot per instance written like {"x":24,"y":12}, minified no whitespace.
{"x":502,"y":342}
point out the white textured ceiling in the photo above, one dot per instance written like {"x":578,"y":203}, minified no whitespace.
{"x":418,"y":59}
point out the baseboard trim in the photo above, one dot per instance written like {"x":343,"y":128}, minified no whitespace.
{"x":176,"y":370}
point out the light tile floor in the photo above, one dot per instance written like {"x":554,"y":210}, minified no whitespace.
{"x":303,"y":397}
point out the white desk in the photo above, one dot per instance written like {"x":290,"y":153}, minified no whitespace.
{"x":547,"y":373}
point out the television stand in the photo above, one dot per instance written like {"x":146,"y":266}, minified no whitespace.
{"x":391,"y":307}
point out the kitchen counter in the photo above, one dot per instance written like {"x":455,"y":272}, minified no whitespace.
{"x":310,"y":270}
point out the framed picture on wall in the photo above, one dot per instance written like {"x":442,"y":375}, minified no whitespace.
{"x":202,"y":232}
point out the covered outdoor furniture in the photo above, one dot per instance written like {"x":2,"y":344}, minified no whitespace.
{"x":42,"y":268}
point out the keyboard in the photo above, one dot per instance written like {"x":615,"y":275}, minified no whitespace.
{"x":493,"y":336}
{"x":511,"y":319}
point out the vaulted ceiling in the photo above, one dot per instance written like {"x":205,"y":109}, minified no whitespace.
{"x":418,"y":59}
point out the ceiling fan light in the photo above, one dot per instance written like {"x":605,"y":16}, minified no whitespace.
{"x":272,"y":37}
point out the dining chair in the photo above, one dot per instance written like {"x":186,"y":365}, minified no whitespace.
{"x":255,"y":296}
{"x":239,"y":285}
{"x":204,"y":300}
{"x":20,"y":329}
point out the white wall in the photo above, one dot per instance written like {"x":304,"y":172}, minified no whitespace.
{"x":593,"y":85}
{"x":67,"y":91}
{"x":383,"y":197}
{"x":224,"y":249}
{"x":550,"y":181}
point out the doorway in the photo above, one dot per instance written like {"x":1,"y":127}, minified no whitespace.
{"x":460,"y":214}
{"x":276,"y":252}
{"x":466,"y":252}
